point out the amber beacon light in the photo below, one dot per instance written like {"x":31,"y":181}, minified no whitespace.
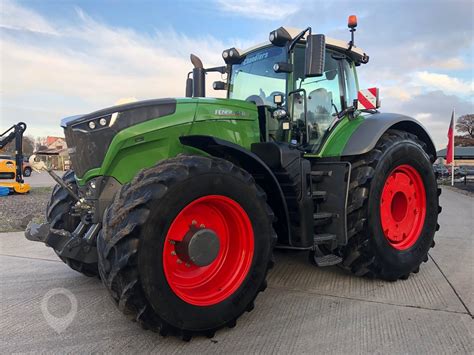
{"x":352,"y":21}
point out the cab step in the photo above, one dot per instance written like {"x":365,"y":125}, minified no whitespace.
{"x":319,"y":195}
{"x":324,"y":238}
{"x":321,"y":173}
{"x":327,"y":260}
{"x":322,"y":218}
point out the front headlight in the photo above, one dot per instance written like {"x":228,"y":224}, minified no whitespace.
{"x":92,"y":188}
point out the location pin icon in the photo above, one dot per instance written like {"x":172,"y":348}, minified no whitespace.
{"x":59,"y":324}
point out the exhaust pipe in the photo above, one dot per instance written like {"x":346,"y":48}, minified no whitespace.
{"x":199,"y":77}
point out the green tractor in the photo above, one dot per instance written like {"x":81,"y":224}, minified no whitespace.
{"x":178,"y":204}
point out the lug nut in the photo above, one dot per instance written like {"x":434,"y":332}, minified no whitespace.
{"x":202,"y":226}
{"x":179,"y":261}
{"x":173,"y":253}
{"x":172,"y":242}
{"x":187,"y":265}
{"x":194,"y":222}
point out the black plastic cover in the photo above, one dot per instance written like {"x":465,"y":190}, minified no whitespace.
{"x":87,"y":147}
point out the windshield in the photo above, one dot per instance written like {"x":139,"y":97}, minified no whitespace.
{"x":255,"y":76}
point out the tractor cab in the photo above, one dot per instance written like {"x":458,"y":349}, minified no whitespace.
{"x":302,"y":84}
{"x":304,"y":81}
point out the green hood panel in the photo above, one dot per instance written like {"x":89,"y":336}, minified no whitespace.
{"x":334,"y":145}
{"x":144,"y":144}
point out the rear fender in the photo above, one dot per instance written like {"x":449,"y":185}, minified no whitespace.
{"x":366,"y":136}
{"x":256,"y":167}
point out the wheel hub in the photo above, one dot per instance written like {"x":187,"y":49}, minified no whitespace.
{"x":199,"y":247}
{"x":208,"y":250}
{"x":403,"y":207}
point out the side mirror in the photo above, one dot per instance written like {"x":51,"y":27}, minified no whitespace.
{"x":368,"y":99}
{"x":315,"y":55}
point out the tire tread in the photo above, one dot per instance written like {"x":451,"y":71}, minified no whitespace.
{"x":359,"y":256}
{"x":128,"y":213}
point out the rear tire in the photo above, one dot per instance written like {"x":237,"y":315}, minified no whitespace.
{"x":397,"y":172}
{"x":139,"y":256}
{"x":59,"y":217}
{"x":27,"y":172}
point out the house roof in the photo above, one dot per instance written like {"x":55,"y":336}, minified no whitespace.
{"x":50,"y":139}
{"x":459,"y":153}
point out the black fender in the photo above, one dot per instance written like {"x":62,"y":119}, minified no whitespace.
{"x":374,"y":126}
{"x":256,"y":167}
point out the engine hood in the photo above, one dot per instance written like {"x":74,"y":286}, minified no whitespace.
{"x":88,"y":136}
{"x":144,"y":109}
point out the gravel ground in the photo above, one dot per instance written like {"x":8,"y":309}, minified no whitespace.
{"x":17,"y":210}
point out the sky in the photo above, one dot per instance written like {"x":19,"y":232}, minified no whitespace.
{"x":60,"y":58}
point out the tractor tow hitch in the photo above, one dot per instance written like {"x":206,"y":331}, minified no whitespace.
{"x":78,"y":245}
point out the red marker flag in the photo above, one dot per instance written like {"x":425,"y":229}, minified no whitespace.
{"x":450,"y":148}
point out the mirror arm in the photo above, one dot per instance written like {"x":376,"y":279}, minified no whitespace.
{"x":221,"y":69}
{"x":352,"y":111}
{"x":297,"y":38}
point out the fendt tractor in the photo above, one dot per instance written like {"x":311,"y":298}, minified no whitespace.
{"x":177,"y":204}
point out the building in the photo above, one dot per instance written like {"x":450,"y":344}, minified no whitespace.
{"x":54,"y":153}
{"x":462,"y":156}
{"x":57,"y":143}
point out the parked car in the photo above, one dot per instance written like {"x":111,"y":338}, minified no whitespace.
{"x":26,"y":165}
{"x":468,"y":169}
{"x":459,"y":172}
{"x":440,"y":171}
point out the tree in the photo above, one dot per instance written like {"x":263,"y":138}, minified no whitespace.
{"x":465,"y":123}
{"x":28,"y":147}
{"x":40,"y":143}
{"x":463,"y":141}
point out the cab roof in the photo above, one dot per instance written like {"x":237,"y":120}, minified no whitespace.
{"x":356,"y":53}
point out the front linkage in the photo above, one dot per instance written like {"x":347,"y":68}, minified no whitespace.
{"x":78,"y":245}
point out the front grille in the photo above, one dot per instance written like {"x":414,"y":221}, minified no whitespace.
{"x":88,"y":147}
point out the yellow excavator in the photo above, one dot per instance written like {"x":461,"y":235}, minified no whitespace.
{"x":12,"y":169}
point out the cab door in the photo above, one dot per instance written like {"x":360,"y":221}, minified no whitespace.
{"x":326,"y":96}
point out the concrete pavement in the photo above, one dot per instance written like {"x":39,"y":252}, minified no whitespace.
{"x":304,"y":309}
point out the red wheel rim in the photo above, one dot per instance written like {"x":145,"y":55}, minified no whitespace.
{"x":211,"y":284}
{"x":403,"y":207}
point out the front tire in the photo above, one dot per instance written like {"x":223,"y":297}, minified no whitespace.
{"x":27,"y":172}
{"x":144,"y":251}
{"x":392,"y":209}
